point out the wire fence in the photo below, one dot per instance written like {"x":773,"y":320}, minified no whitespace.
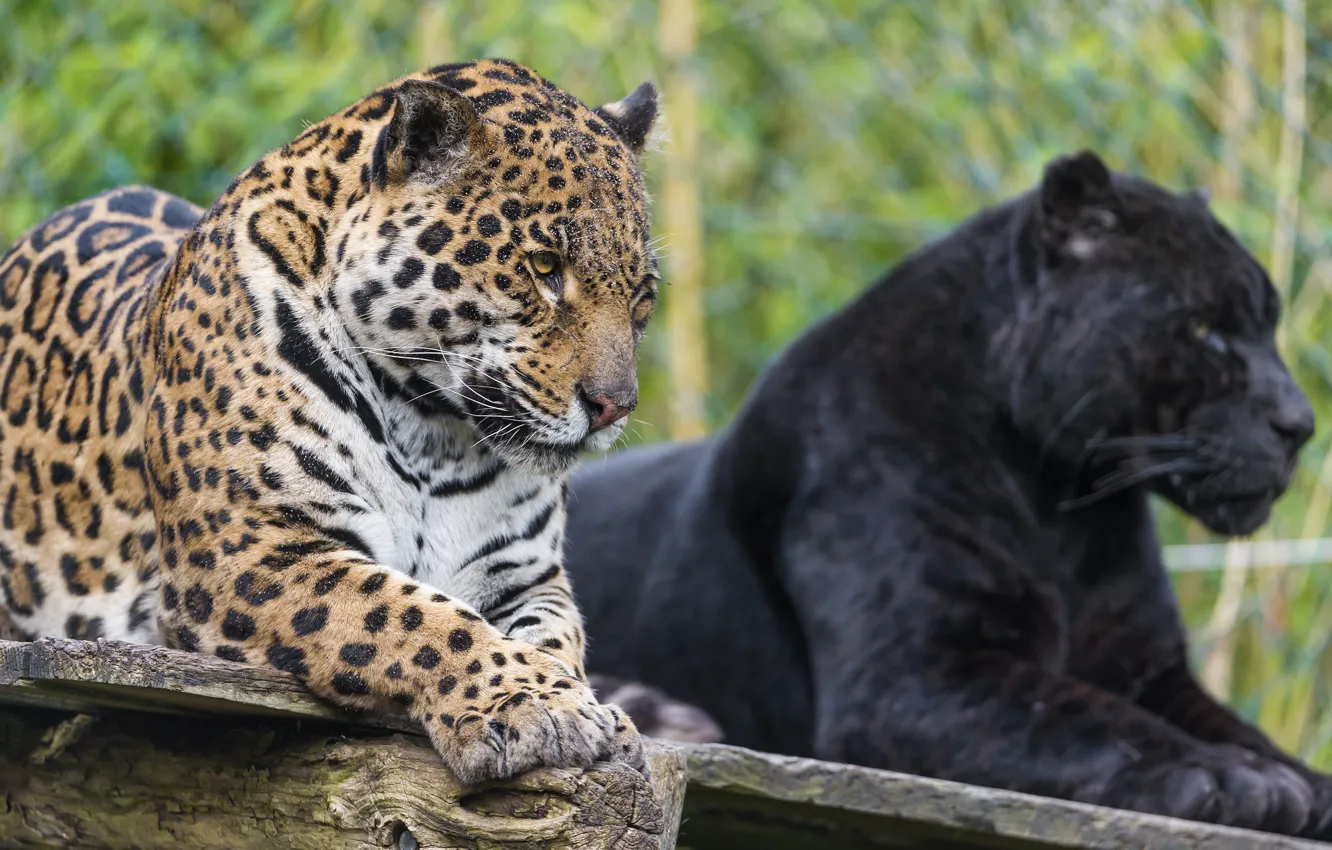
{"x":812,"y":143}
{"x":1249,"y":555}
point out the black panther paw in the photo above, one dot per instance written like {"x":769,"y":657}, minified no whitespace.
{"x":654,"y":713}
{"x":1320,"y":818}
{"x":1220,"y":784}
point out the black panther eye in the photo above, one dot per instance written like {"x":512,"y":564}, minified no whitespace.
{"x":1203,"y":331}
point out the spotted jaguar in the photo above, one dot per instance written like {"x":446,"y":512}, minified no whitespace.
{"x":325,"y":425}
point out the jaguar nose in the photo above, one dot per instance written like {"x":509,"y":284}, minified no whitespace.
{"x":603,"y":408}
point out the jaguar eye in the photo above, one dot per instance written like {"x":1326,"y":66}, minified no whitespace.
{"x":641,"y":310}
{"x":545,"y":263}
{"x":1199,"y":328}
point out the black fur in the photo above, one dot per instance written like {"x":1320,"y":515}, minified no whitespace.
{"x":431,"y":127}
{"x":654,"y":713}
{"x":632,"y":117}
{"x":925,"y":542}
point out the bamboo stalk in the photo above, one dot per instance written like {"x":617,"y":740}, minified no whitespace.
{"x":434,"y":37}
{"x":1274,"y":586}
{"x":1291,"y":153}
{"x":680,"y":217}
{"x":1218,"y":668}
{"x":1238,"y":29}
{"x":1237,"y":106}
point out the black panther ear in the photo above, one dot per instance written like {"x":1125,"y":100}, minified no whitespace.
{"x":433,"y":131}
{"x":632,"y":117}
{"x":1078,"y":205}
{"x":1203,"y":195}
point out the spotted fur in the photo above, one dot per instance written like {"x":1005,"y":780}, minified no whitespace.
{"x":325,"y":425}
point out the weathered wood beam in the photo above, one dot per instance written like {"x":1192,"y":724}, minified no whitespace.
{"x":136,"y":780}
{"x":742,"y":799}
{"x":271,"y":768}
{"x":80,"y":675}
{"x":273,"y":756}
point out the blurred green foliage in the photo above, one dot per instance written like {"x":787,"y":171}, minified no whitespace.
{"x":837,"y":135}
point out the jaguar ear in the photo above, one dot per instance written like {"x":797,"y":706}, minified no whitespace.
{"x":432,"y":134}
{"x":1203,"y":195}
{"x":1078,"y":206}
{"x":632,"y":117}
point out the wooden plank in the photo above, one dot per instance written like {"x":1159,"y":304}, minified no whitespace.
{"x":741,"y":799}
{"x":265,"y":772}
{"x":154,"y":782}
{"x":737,"y":798}
{"x":86,"y":675}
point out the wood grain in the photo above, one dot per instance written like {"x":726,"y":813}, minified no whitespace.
{"x":183,"y":750}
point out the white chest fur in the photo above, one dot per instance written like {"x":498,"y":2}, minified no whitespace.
{"x":460,"y":518}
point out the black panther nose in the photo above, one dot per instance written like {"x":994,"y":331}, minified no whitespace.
{"x":1294,"y":424}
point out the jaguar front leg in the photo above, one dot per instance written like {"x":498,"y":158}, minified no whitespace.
{"x":542,"y":612}
{"x":363,"y":635}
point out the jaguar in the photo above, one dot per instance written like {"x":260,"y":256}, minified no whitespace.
{"x":325,"y":425}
